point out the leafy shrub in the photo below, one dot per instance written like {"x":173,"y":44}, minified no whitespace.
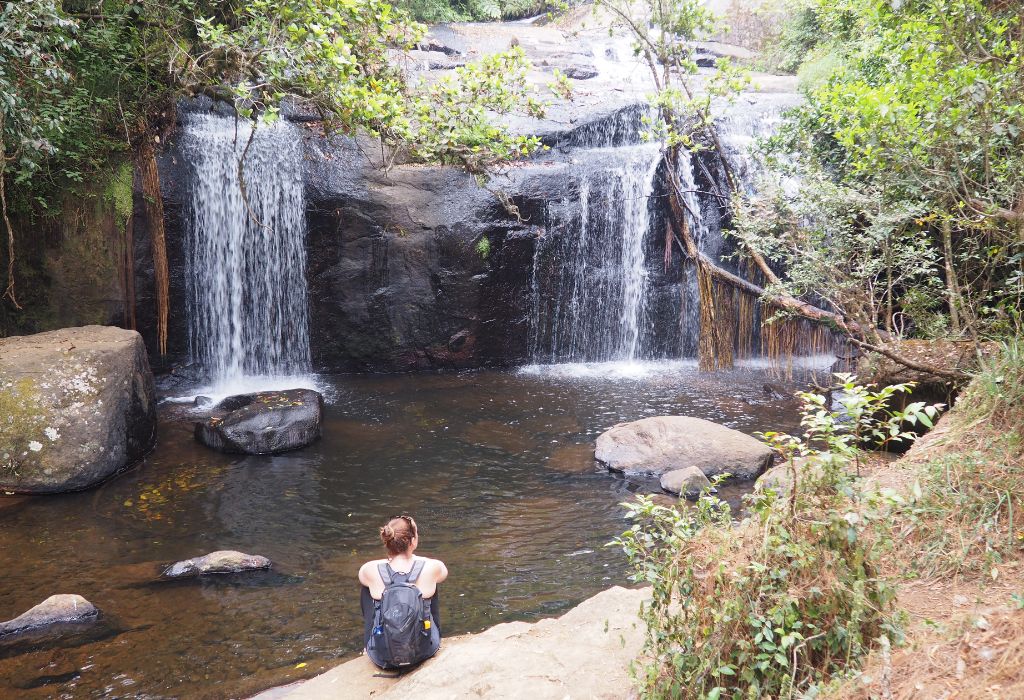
{"x":791,"y":596}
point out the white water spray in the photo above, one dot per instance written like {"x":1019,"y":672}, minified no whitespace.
{"x":246,"y":258}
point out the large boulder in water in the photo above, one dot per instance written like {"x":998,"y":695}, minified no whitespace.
{"x":653,"y":446}
{"x":62,"y":608}
{"x":77,"y":406}
{"x":263,"y":423}
{"x":221,"y":562}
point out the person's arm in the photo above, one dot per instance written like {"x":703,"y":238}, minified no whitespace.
{"x":364,"y":574}
{"x":442,"y":571}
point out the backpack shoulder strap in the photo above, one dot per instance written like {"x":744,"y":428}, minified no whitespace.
{"x":416,"y":570}
{"x":385,"y":573}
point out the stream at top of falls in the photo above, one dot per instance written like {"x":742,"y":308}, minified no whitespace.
{"x":496,"y":466}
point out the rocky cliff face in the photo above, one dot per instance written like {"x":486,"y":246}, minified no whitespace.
{"x":419,"y":267}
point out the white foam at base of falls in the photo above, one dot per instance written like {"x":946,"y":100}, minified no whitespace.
{"x":630,"y":370}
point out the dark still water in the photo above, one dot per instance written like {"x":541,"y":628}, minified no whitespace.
{"x":496,"y":467}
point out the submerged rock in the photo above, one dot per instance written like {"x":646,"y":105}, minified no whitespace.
{"x":220,"y":562}
{"x":689,"y":482}
{"x":64,"y":607}
{"x":665,"y":443}
{"x":264,"y":423}
{"x":78,"y":406}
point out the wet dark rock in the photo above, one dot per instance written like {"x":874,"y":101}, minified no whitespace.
{"x":689,"y":482}
{"x":581,"y":72}
{"x":705,"y":60}
{"x":82,"y":408}
{"x":201,"y":401}
{"x":775,"y":392}
{"x":220,"y":562}
{"x":667,"y":443}
{"x":459,"y":340}
{"x":62,"y":608}
{"x":264,"y":423}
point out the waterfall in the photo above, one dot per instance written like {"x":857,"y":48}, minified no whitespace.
{"x":590,"y":298}
{"x":246,"y":258}
{"x":603,"y":288}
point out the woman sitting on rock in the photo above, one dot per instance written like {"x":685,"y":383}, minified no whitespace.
{"x":399,"y":599}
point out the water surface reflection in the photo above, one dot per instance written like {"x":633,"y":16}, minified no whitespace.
{"x":496,"y":466}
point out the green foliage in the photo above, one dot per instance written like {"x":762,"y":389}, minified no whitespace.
{"x":789,"y":598}
{"x":483,"y":247}
{"x":817,"y":68}
{"x":662,"y":33}
{"x":118,"y":192}
{"x":912,"y":117}
{"x":80,"y":86}
{"x":965,"y":514}
{"x":451,"y":118}
{"x":841,"y":244}
{"x":438,"y":11}
{"x":561,"y":86}
{"x":330,"y":54}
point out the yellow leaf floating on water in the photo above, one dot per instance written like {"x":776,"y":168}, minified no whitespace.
{"x":302,"y":665}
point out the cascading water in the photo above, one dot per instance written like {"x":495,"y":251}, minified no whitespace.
{"x":592,"y":300}
{"x":605,"y":289}
{"x":246,"y":258}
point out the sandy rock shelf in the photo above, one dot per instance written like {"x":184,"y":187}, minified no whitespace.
{"x":583,"y":654}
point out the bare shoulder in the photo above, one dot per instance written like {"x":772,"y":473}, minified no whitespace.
{"x":436,"y":568}
{"x":368,"y":570}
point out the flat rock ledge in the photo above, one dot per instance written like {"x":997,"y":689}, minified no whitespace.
{"x":583,"y":654}
{"x":653,"y":446}
{"x":221,"y":562}
{"x":64,"y":607}
{"x":267,"y":422}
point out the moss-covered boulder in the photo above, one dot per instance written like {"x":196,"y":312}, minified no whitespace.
{"x":77,"y":405}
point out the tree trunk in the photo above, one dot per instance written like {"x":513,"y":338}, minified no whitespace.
{"x":149,"y":179}
{"x":952,"y":288}
{"x":9,"y":290}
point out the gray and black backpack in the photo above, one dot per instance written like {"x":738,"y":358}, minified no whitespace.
{"x":404,"y":633}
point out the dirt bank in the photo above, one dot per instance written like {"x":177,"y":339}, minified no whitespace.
{"x":583,"y":654}
{"x":958,"y":564}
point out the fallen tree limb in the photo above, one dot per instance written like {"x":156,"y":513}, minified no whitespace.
{"x":854,"y":332}
{"x":954,"y":375}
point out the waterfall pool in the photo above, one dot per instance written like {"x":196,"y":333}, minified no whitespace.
{"x":496,"y":466}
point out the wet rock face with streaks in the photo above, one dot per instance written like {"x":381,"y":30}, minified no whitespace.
{"x":77,"y":406}
{"x":417,"y":267}
{"x":268,"y":422}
